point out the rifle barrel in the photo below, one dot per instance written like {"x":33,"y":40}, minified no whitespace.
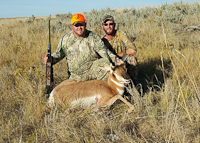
{"x":49,"y":68}
{"x":49,"y":32}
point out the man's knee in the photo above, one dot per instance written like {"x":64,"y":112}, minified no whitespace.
{"x":98,"y":74}
{"x":132,"y":60}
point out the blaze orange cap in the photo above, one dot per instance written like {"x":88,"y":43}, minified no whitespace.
{"x":76,"y":18}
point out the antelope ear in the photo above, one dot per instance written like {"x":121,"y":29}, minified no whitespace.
{"x":124,"y":66}
{"x":106,"y":67}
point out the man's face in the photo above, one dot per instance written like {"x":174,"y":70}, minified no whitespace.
{"x":79,"y":29}
{"x":108,"y":27}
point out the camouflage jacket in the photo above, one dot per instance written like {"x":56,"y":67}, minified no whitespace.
{"x":81,"y":52}
{"x":114,"y":44}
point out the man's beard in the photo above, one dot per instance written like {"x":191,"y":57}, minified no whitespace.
{"x":109,"y":33}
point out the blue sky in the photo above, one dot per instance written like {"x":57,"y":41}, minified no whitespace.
{"x":27,"y":8}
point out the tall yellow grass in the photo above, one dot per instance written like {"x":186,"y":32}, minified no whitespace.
{"x":167,"y":111}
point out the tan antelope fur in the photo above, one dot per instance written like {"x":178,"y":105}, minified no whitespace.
{"x":102,"y":93}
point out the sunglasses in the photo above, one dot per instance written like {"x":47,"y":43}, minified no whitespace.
{"x":79,"y":24}
{"x":105,"y":24}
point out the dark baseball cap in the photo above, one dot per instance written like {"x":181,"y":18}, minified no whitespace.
{"x":107,"y":18}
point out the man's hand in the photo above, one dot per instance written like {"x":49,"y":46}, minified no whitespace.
{"x":45,"y":59}
{"x":128,"y":51}
{"x":119,"y":61}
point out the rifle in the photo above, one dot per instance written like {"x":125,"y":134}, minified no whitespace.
{"x":49,"y":69}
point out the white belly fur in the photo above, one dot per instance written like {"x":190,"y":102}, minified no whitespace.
{"x":85,"y":102}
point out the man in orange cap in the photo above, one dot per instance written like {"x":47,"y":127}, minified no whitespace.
{"x":78,"y":25}
{"x":84,"y":50}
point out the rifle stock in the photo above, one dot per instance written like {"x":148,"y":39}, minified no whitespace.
{"x":49,"y":68}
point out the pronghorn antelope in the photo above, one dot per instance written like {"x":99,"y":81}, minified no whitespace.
{"x":102,"y":93}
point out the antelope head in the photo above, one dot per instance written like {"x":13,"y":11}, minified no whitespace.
{"x":118,"y":77}
{"x":123,"y":59}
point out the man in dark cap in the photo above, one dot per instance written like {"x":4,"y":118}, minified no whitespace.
{"x":112,"y":41}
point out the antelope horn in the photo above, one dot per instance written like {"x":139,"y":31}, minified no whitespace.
{"x":125,"y":56}
{"x":109,"y":57}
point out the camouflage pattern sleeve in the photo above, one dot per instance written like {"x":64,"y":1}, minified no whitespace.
{"x":126,"y":40}
{"x":100,"y":48}
{"x":59,"y":54}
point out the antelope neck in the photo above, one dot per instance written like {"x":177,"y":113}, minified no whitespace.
{"x":116,"y":86}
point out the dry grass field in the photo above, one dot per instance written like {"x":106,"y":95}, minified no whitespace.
{"x":168,"y":53}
